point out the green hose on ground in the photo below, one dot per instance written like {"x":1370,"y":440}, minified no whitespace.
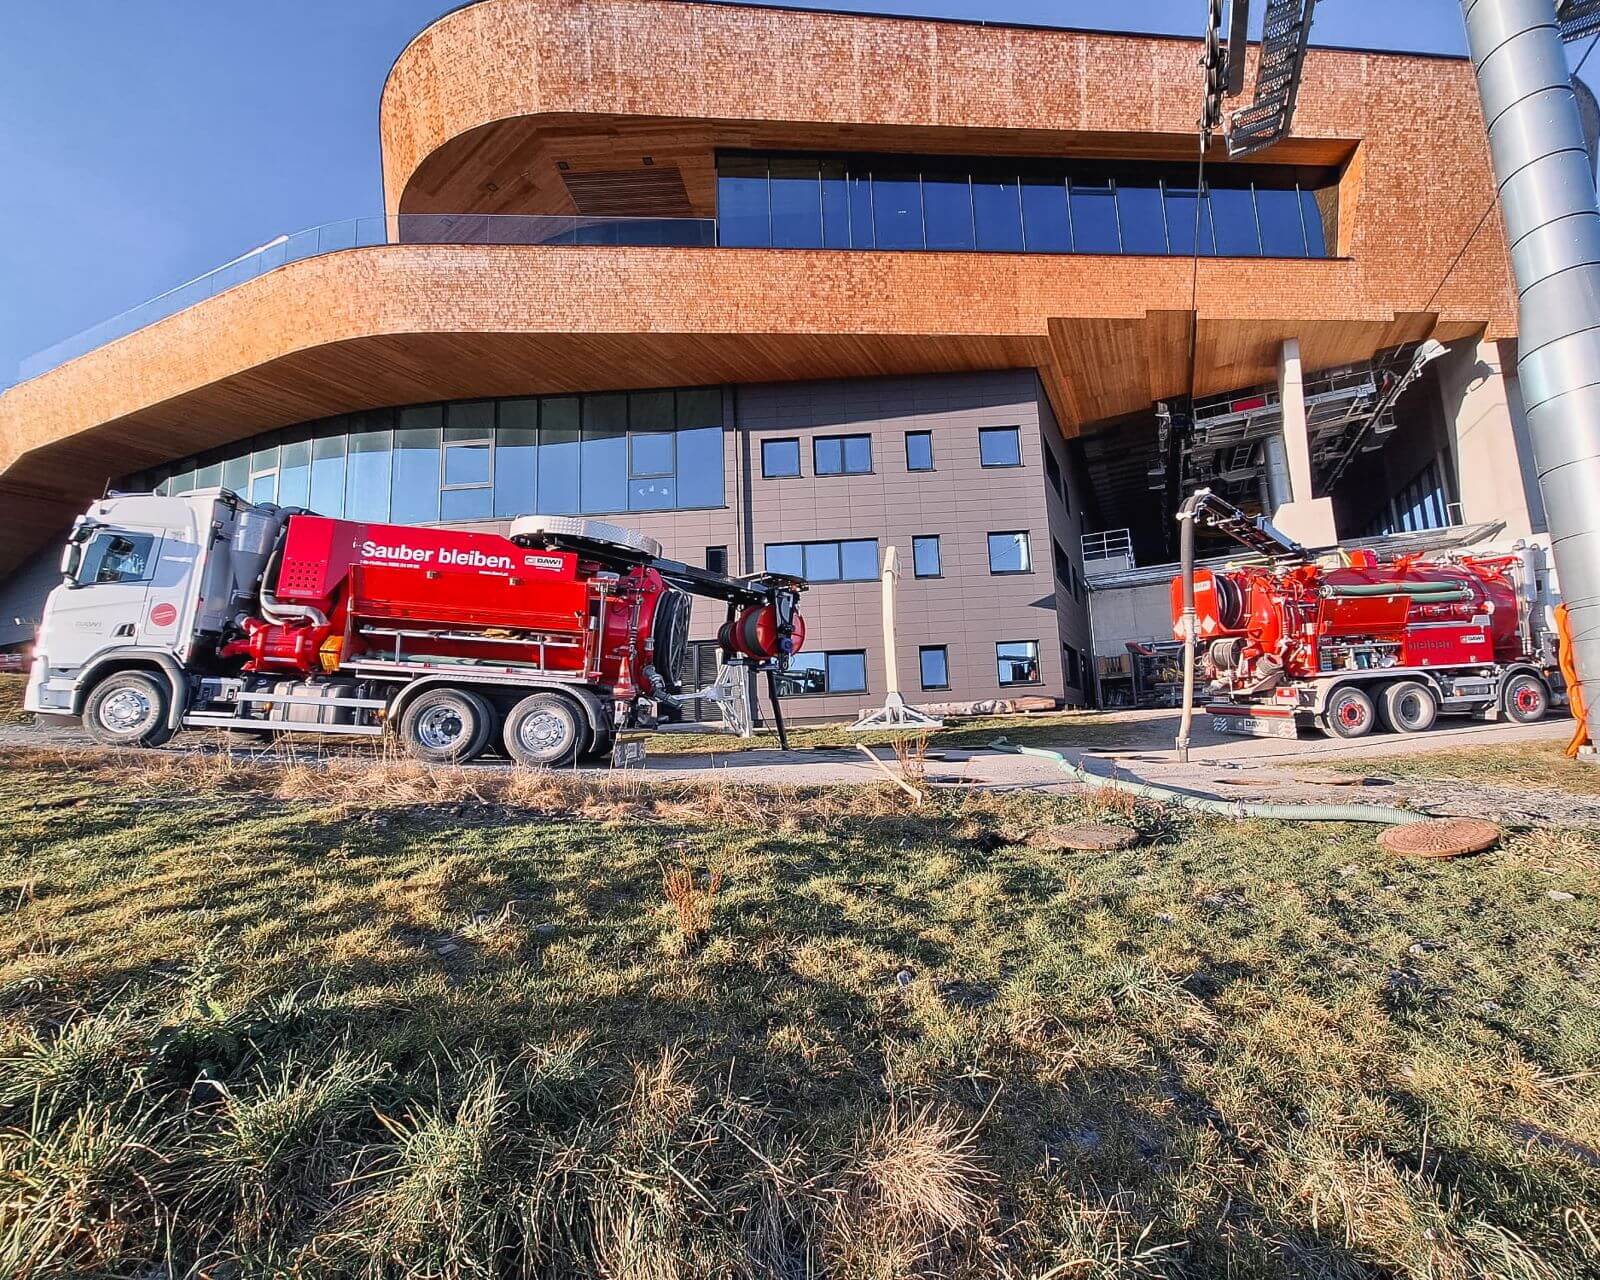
{"x":1216,"y":804}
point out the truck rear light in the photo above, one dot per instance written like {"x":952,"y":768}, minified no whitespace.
{"x":330,"y":652}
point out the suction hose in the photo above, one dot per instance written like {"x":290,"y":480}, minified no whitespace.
{"x":1186,"y":515}
{"x":1216,"y":804}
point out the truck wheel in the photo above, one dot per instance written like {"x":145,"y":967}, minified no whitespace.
{"x":129,"y":710}
{"x":1408,"y":706}
{"x":1526,"y":698}
{"x":446,"y":726}
{"x":1349,"y":713}
{"x":546,"y":730}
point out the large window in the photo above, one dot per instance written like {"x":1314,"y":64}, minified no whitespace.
{"x":841,"y":455}
{"x":1002,"y":205}
{"x":855,"y":560}
{"x":483,"y":459}
{"x":1010,"y":553}
{"x":843,"y":671}
{"x":1018,"y":662}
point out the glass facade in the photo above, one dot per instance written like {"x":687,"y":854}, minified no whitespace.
{"x":482,"y":459}
{"x":1008,"y":205}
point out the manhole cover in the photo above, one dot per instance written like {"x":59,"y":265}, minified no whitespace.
{"x":1331,"y":778}
{"x":1440,"y":837}
{"x":1083,"y":835}
{"x":1248,"y":781}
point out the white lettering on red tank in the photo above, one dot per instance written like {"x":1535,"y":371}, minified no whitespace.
{"x":473,"y":559}
{"x":411,"y":555}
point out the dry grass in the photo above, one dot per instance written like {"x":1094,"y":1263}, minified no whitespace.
{"x":11,"y":690}
{"x":348,"y":1017}
{"x":1538,"y":765}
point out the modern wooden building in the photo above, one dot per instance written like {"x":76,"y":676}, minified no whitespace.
{"x":786,"y":287}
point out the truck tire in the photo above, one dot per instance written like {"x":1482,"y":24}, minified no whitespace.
{"x":129,"y":709}
{"x":1349,"y":713}
{"x":1526,"y":698}
{"x":446,"y":726}
{"x":1408,"y":706}
{"x":546,"y":730}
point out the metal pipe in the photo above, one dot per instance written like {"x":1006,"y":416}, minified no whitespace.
{"x":1186,"y":518}
{"x":1547,"y":201}
{"x":1216,"y":804}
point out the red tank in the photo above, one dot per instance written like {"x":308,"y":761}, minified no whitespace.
{"x":1312,"y":618}
{"x":342,"y":589}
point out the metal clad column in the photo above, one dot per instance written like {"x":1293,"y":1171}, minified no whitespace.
{"x":1547,"y":198}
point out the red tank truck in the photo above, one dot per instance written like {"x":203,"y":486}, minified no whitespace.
{"x":204,"y":610}
{"x":1347,"y":641}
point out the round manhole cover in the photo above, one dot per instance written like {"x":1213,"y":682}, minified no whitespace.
{"x":1440,"y":838}
{"x":1090,"y":836}
{"x":1331,"y":778}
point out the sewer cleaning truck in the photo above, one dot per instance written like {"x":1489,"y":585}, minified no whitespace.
{"x":203,"y":610}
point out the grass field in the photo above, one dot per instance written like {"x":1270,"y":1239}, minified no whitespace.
{"x":1534,"y":764}
{"x":373,"y":1020}
{"x":1075,"y":728}
{"x":11,"y":689}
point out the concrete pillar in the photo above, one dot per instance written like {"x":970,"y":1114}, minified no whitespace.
{"x":1483,"y":415}
{"x":1306,"y":519}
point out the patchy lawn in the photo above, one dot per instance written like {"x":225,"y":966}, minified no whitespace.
{"x":1534,"y":764}
{"x":367,"y":1019}
{"x":1072,"y":728}
{"x":11,"y":691}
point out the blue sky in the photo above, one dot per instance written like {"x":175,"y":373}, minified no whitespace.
{"x":144,"y":143}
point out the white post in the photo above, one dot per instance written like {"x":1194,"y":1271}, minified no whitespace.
{"x":893,"y":714}
{"x":1307,"y":520}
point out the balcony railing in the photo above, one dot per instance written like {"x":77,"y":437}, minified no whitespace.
{"x":1108,"y":552}
{"x":354,"y":233}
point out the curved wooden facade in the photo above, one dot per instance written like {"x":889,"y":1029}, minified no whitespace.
{"x":484,"y":108}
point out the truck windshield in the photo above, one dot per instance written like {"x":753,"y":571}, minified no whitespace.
{"x":116,"y":557}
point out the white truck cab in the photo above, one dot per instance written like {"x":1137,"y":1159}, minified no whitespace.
{"x":146,"y":580}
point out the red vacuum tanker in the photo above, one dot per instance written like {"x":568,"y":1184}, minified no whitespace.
{"x":205,"y":610}
{"x":1348,"y":641}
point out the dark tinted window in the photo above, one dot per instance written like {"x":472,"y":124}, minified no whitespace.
{"x":1044,"y":215}
{"x":947,"y":210}
{"x":717,"y":559}
{"x":1182,"y":204}
{"x":997,"y":214}
{"x":1018,"y":661}
{"x":1316,"y":233}
{"x":897,"y":209}
{"x":1052,"y":473}
{"x":1094,"y":217}
{"x":1282,"y":235}
{"x":796,"y":203}
{"x":742,"y":202}
{"x":1142,"y":216}
{"x":1233,"y":213}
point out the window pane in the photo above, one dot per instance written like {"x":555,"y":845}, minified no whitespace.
{"x":796,"y":204}
{"x":997,"y":212}
{"x":294,"y":474}
{"x":919,"y":451}
{"x":785,"y":557}
{"x":701,"y":408}
{"x":935,"y":664}
{"x":1008,"y":553}
{"x":897,"y":209}
{"x":847,"y":672}
{"x":859,"y":559}
{"x":516,"y":455}
{"x":469,"y":420}
{"x":416,"y":470}
{"x":1018,"y":661}
{"x":466,"y":504}
{"x":859,"y":186}
{"x":467,"y":463}
{"x":822,"y":562}
{"x":925,"y":557}
{"x":1044,"y":215}
{"x":835,"y":207}
{"x":327,"y":475}
{"x":1181,"y":205}
{"x":652,"y":493}
{"x":1317,"y":245}
{"x":827,"y":455}
{"x":858,"y":454}
{"x":1139,"y":211}
{"x":700,"y":467}
{"x":366,"y":481}
{"x":1282,"y":236}
{"x":1094,"y":217}
{"x":650,"y":435}
{"x":264,"y":460}
{"x":742,"y":202}
{"x":1233,"y":211}
{"x":184,"y":482}
{"x":947,"y":210}
{"x":208,"y":477}
{"x":1000,"y":447}
{"x":807,"y":673}
{"x":236,"y":473}
{"x":557,"y":469}
{"x":264,"y":488}
{"x":780,"y":458}
{"x":603,"y":473}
